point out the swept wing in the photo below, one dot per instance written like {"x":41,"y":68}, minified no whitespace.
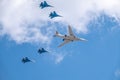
{"x":65,"y":42}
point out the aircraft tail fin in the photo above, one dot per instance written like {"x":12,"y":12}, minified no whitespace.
{"x":56,"y":34}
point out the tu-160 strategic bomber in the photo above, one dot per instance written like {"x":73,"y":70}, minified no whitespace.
{"x":68,"y":38}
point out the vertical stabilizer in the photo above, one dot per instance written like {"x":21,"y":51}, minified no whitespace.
{"x":56,"y":34}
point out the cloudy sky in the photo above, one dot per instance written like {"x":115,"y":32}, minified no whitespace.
{"x":25,"y":27}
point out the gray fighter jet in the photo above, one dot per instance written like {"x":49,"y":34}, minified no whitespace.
{"x":54,"y":14}
{"x":42,"y":50}
{"x":44,"y":5}
{"x":26,"y":59}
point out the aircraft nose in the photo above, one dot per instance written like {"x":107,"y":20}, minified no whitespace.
{"x":82,"y":39}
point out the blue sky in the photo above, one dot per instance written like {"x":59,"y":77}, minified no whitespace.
{"x":96,"y":59}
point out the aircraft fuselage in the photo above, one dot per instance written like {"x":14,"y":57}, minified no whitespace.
{"x":71,"y":38}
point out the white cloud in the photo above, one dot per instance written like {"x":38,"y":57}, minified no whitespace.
{"x":79,"y":12}
{"x":117,"y":73}
{"x":23,"y":20}
{"x":17,"y":17}
{"x":59,"y":58}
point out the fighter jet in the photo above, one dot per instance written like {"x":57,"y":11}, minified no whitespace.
{"x":68,"y":38}
{"x":53,"y":15}
{"x":42,"y":50}
{"x":44,"y":5}
{"x":26,"y":59}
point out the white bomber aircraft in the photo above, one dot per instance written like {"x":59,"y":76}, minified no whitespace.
{"x":68,"y":38}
